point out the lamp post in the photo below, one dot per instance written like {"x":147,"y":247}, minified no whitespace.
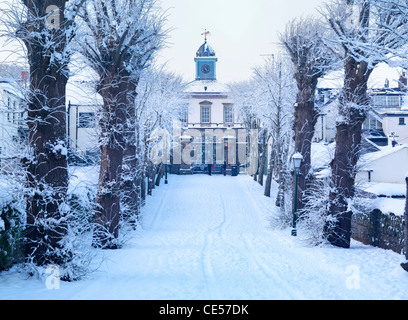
{"x":297,"y":160}
{"x":165,"y":179}
{"x":322,"y":115}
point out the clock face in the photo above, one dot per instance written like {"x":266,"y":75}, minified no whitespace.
{"x":205,"y":68}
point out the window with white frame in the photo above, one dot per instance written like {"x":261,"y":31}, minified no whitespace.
{"x":380,"y":100}
{"x":184,"y":116}
{"x":394,"y":101}
{"x":205,"y":111}
{"x":387,"y":100}
{"x":228,"y":114}
{"x":205,"y":114}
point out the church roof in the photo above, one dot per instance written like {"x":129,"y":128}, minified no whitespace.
{"x":206,"y":86}
{"x":205,"y":50}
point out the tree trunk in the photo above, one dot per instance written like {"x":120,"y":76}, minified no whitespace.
{"x":107,"y":210}
{"x":406,"y":220}
{"x":352,"y":110}
{"x":130,"y":183}
{"x":405,"y":265}
{"x":143,"y":187}
{"x":268,"y":182}
{"x":150,"y":178}
{"x":160,"y":174}
{"x":304,"y":125}
{"x":108,"y":198}
{"x":263,"y":158}
{"x":145,"y":165}
{"x":47,"y":170}
{"x":130,"y":197}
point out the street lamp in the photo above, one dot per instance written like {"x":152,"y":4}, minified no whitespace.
{"x":297,"y":160}
{"x":322,"y":115}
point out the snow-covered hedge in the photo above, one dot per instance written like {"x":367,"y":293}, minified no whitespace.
{"x":76,"y":245}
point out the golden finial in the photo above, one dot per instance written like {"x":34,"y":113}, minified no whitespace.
{"x":205,"y":34}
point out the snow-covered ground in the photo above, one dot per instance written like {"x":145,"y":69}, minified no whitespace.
{"x":212,"y":237}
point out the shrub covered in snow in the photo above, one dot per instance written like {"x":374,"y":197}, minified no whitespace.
{"x":11,"y":235}
{"x":313,"y":216}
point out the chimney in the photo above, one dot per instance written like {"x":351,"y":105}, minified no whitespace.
{"x":402,"y":82}
{"x":24,"y":76}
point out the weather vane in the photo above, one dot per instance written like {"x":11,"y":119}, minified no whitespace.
{"x":205,"y":34}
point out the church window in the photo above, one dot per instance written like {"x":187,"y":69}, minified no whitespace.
{"x":184,"y":116}
{"x":205,"y":114}
{"x":228,"y":115}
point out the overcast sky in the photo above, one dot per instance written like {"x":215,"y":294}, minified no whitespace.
{"x":242,"y":31}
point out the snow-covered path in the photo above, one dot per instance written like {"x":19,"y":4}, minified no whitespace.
{"x":210,"y":237}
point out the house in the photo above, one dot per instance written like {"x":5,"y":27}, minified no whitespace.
{"x":326,"y":100}
{"x":387,"y":118}
{"x":389,"y":165}
{"x":388,"y":115}
{"x":82,"y":102}
{"x":82,"y":105}
{"x":13,"y":127}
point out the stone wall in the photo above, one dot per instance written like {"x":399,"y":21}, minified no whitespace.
{"x":377,"y":229}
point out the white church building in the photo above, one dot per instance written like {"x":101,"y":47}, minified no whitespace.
{"x":209,"y":126}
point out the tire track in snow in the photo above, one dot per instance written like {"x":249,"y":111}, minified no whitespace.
{"x":254,"y":258}
{"x":269,"y":272}
{"x":285,"y":290}
{"x":237,"y":248}
{"x":286,"y":266}
{"x":246,"y":250}
{"x":206,"y":261}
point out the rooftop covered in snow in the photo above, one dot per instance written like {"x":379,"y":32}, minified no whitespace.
{"x":206,"y":86}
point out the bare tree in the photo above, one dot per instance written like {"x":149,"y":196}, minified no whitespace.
{"x":367,"y":32}
{"x":311,"y":60}
{"x":275,"y":79}
{"x":267,"y":102}
{"x":46,"y":28}
{"x":120,"y":39}
{"x":159,"y":102}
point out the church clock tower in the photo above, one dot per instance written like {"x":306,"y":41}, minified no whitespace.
{"x":205,"y":62}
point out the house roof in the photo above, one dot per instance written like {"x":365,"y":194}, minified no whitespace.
{"x":386,"y":113}
{"x":380,"y":74}
{"x":12,"y":87}
{"x":206,"y":86}
{"x":82,"y":93}
{"x":384,"y":151}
